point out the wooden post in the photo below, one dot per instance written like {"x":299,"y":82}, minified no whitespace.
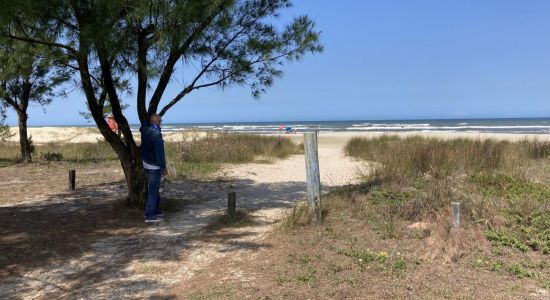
{"x":72,"y":179}
{"x":232,"y":204}
{"x":313,"y":176}
{"x":456,"y":215}
{"x":174,"y":171}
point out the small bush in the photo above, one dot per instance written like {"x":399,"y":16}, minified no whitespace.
{"x":538,"y":149}
{"x":5,"y":132}
{"x":31,"y":145}
{"x":296,"y":217}
{"x":51,"y":156}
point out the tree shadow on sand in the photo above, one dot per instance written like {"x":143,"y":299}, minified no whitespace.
{"x":87,"y":244}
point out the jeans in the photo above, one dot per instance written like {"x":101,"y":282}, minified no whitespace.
{"x":152,"y":206}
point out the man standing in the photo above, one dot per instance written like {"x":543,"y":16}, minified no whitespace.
{"x":154,"y":163}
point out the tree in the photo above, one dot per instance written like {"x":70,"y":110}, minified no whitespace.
{"x":229,"y":42}
{"x":5,"y":131}
{"x":28,"y":73}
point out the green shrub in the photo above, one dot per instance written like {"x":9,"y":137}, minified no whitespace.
{"x":5,"y":132}
{"x":538,"y":149}
{"x":51,"y":156}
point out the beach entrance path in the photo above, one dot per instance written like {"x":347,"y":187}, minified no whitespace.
{"x":82,"y":244}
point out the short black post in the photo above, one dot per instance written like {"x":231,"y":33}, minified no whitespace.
{"x":72,"y":179}
{"x":232,"y":204}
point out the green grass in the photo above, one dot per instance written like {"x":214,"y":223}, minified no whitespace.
{"x":526,"y":212}
{"x":515,"y":269}
{"x":511,"y":188}
{"x":364,"y":256}
{"x":524,"y":231}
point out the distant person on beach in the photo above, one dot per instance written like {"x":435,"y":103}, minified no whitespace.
{"x":287,"y":129}
{"x":154,"y":163}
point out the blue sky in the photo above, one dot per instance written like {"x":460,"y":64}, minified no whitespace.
{"x":397,"y":59}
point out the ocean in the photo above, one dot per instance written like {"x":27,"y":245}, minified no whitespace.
{"x":520,"y":126}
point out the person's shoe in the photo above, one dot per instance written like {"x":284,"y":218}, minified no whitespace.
{"x":153,"y":220}
{"x":160,"y":214}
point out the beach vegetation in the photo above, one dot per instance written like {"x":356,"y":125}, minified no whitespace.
{"x":29,"y":74}
{"x":497,"y":183}
{"x":226,"y":43}
{"x":234,"y":148}
{"x":196,"y":159}
{"x":5,"y":132}
{"x":201,"y":156}
{"x":403,"y":201}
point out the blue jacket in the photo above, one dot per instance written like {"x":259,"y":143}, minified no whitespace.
{"x":152,"y":145}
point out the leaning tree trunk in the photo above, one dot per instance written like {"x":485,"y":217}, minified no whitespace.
{"x":130,"y":160}
{"x":134,"y":174}
{"x":26,"y":155}
{"x":126,"y":148}
{"x":136,"y":180}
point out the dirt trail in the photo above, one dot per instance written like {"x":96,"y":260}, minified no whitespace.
{"x":139,"y":261}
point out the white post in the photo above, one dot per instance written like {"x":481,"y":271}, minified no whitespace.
{"x":313,"y":176}
{"x":456,"y":215}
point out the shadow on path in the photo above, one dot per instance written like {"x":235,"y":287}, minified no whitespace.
{"x":87,"y":244}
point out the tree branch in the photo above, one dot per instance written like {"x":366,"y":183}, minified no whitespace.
{"x":52,"y":44}
{"x":110,"y":88}
{"x":142,"y":74}
{"x":192,"y":86}
{"x":7,"y":97}
{"x":188,"y":89}
{"x":175,"y":54}
{"x":101,"y":100}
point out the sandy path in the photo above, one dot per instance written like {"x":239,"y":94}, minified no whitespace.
{"x":336,"y":169}
{"x":141,"y":262}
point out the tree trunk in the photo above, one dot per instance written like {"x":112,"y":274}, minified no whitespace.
{"x":136,"y":179}
{"x":26,"y":155}
{"x":126,"y":149}
{"x":131,"y":163}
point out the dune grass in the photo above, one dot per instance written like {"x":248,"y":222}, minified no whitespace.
{"x":202,"y":156}
{"x":501,"y":185}
{"x":194,"y":159}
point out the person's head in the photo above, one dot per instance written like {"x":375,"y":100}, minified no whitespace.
{"x":155,"y":119}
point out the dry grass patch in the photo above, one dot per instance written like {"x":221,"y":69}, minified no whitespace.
{"x":398,"y":222}
{"x":196,"y":159}
{"x":200,"y":157}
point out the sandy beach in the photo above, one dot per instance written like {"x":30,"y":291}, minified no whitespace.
{"x":92,"y":135}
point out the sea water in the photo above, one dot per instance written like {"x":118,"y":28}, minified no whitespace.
{"x":520,"y":126}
